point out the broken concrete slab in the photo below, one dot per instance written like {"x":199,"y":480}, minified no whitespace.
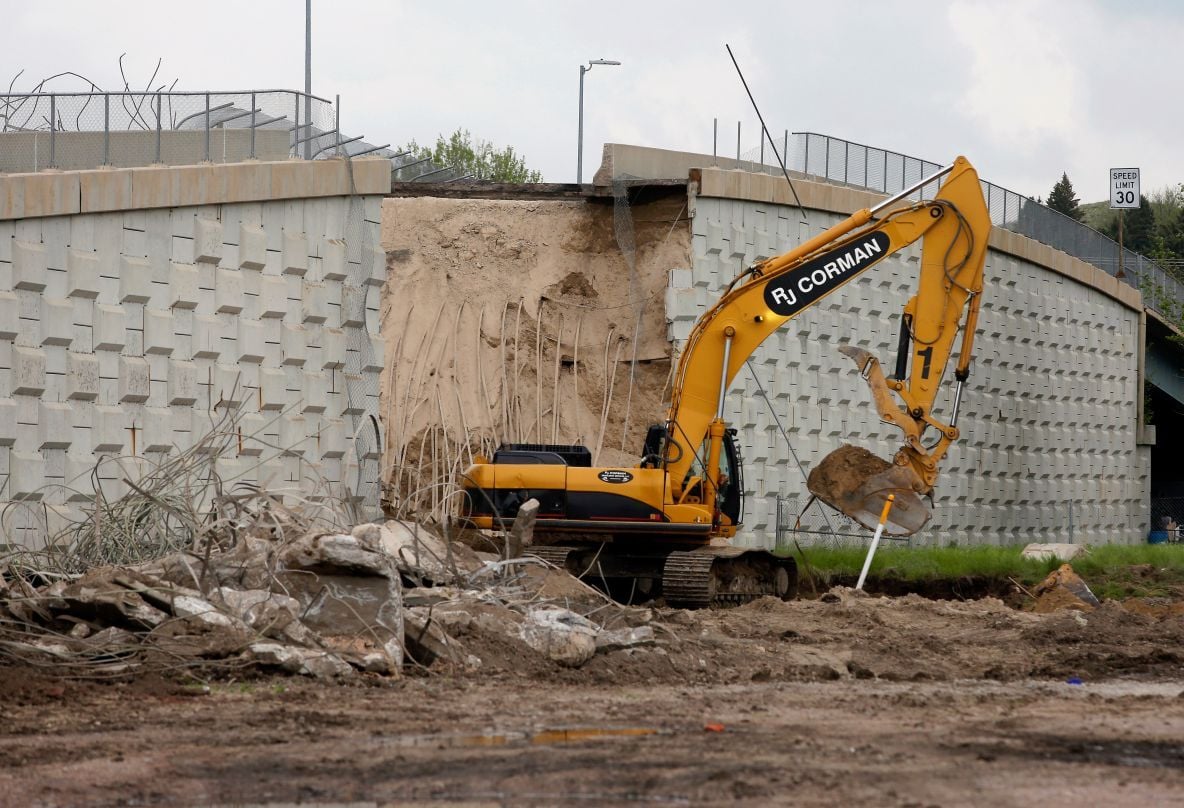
{"x":303,"y":661}
{"x":620,"y":638}
{"x":562,"y":635}
{"x":424,"y":556}
{"x":1059,"y":551}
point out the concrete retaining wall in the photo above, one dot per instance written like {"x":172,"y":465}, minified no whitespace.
{"x":134,"y":304}
{"x":1050,"y":418}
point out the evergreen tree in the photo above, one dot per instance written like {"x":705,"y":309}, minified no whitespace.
{"x":1061,"y":198}
{"x":1138,"y":229}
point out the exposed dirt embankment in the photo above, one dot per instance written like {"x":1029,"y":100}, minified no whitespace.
{"x":520,"y":321}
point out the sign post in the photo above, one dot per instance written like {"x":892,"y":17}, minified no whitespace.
{"x":1124,"y":195}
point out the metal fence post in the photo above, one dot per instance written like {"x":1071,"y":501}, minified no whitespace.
{"x":715,"y":141}
{"x":207,"y":127}
{"x":106,"y":129}
{"x":296,"y":131}
{"x":737,"y":144}
{"x":806,"y":164}
{"x":53,"y":129}
{"x":253,"y":108}
{"x":337,"y":125}
{"x":785,"y":147}
{"x":159,"y":115}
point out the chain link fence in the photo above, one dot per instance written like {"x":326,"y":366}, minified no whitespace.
{"x":1167,"y":515}
{"x":810,"y":524}
{"x":72,"y":131}
{"x":888,"y":172}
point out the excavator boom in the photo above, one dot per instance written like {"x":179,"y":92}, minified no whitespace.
{"x":955,"y":226}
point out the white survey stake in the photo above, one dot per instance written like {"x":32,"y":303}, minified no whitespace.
{"x":1124,"y":188}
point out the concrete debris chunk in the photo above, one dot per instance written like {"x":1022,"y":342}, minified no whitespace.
{"x":624,"y":638}
{"x":425,"y":556}
{"x":563,"y":636}
{"x":335,"y":553}
{"x":1061,"y":552}
{"x":303,"y":661}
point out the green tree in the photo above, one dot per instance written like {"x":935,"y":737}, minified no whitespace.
{"x":1138,"y":229}
{"x":479,"y":158}
{"x":1061,"y":198}
{"x":1173,"y":235}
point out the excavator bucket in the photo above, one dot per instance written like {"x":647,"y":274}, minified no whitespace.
{"x":857,"y":483}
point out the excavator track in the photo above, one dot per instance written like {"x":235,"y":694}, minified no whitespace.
{"x":726,"y":576}
{"x":553,"y":554}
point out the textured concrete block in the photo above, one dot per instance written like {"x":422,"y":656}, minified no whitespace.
{"x":228,"y":291}
{"x":273,"y":393}
{"x":134,"y":380}
{"x":294,"y":257}
{"x":8,"y":422}
{"x":110,"y":431}
{"x":28,"y":371}
{"x":57,"y":322}
{"x":252,"y":426}
{"x":82,"y":377}
{"x":26,"y":476}
{"x":207,"y":342}
{"x":28,"y":266}
{"x":373,"y":266}
{"x":250,"y":341}
{"x":207,"y":241}
{"x":135,"y":280}
{"x":332,"y":348}
{"x":159,"y":339}
{"x":9,"y":316}
{"x":353,"y":306}
{"x":184,"y":282}
{"x":293,"y":344}
{"x":55,"y":428}
{"x":273,"y":297}
{"x":333,"y":260}
{"x":293,"y":436}
{"x":110,"y":328}
{"x":332,"y":438}
{"x":82,"y":275}
{"x":157,"y":428}
{"x":316,"y":392}
{"x":182,"y":383}
{"x":372,"y":359}
{"x":314,"y":303}
{"x":229,"y":388}
{"x":252,"y":247}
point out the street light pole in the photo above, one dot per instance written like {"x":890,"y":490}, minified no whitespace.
{"x":307,"y":79}
{"x":580,"y":136}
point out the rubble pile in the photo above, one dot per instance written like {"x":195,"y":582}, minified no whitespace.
{"x":329,"y":605}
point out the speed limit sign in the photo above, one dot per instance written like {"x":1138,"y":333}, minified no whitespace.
{"x":1124,"y":188}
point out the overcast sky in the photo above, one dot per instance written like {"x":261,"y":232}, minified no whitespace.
{"x":1025,"y":89}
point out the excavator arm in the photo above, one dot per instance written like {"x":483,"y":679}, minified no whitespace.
{"x":955,"y":226}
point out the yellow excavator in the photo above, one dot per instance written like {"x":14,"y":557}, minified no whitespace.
{"x":663,"y":526}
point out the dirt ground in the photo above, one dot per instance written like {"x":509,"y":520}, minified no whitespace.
{"x":900,"y":701}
